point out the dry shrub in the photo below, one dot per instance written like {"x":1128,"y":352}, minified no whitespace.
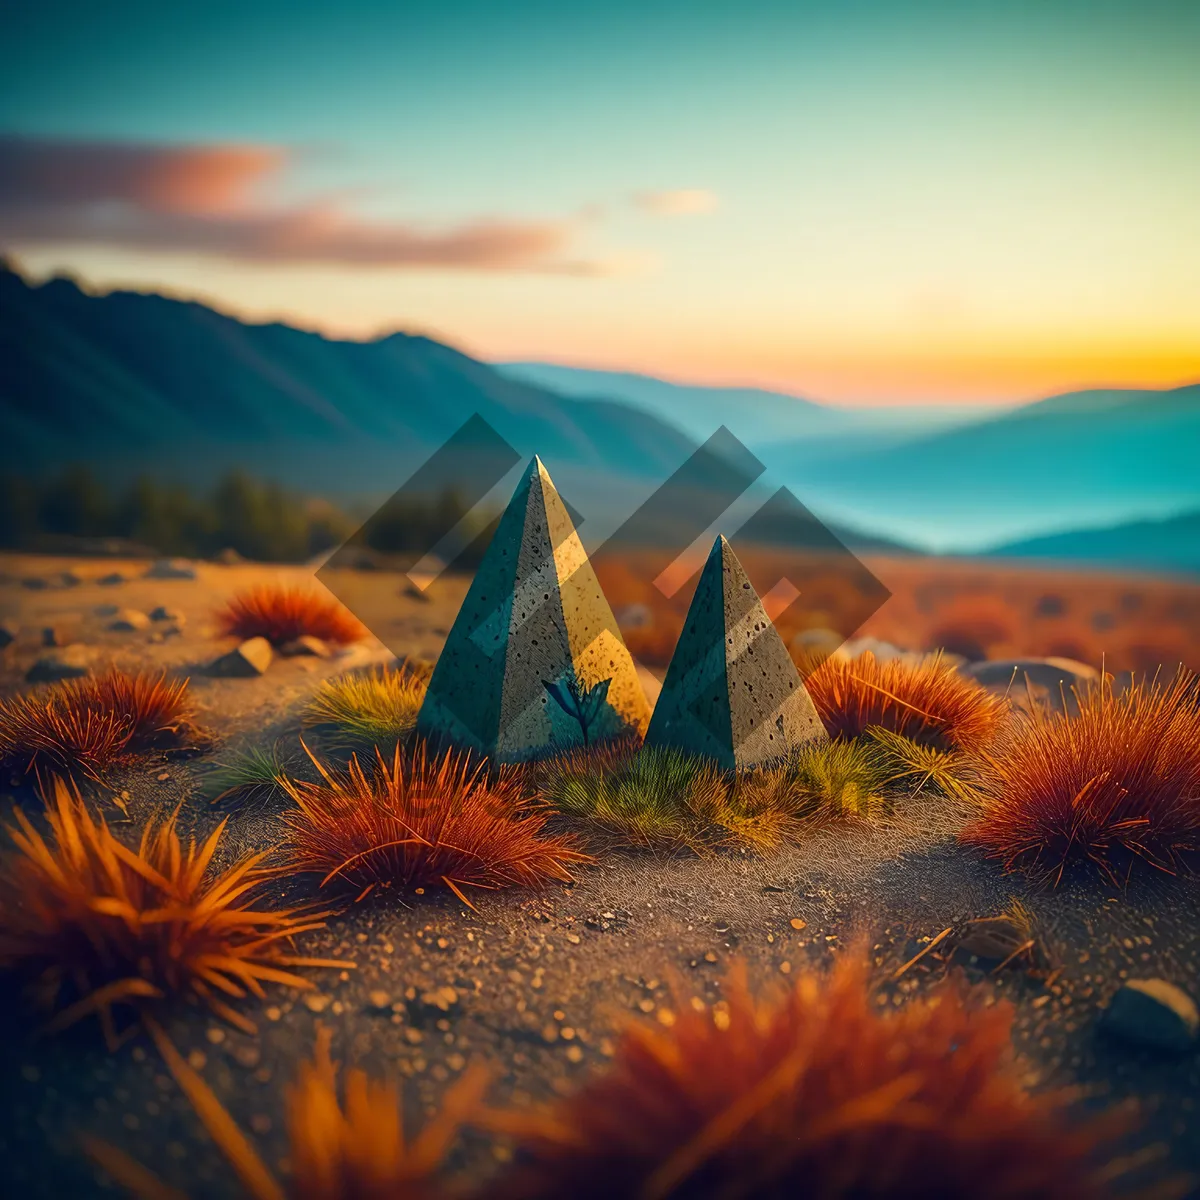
{"x":340,"y":1150}
{"x":420,"y":820}
{"x":82,"y":726}
{"x":973,"y":626}
{"x":90,"y":924}
{"x":927,"y":701}
{"x":378,"y":708}
{"x":818,"y":1095}
{"x":281,"y":614}
{"x":1116,"y":785}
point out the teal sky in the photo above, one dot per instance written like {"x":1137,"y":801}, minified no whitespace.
{"x":861,"y":202}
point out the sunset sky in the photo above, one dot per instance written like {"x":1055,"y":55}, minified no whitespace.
{"x":863,"y":203}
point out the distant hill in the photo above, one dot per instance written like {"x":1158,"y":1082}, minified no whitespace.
{"x":134,"y":384}
{"x":1171,"y":544}
{"x":140,"y":382}
{"x":1082,"y":460}
{"x":756,"y":416}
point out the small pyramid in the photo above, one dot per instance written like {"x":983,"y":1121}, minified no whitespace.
{"x":535,"y":636}
{"x":732,"y":692}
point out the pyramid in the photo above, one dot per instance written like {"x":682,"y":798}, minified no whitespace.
{"x":533,"y":628}
{"x":732,"y":692}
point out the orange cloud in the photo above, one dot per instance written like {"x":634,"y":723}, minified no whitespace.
{"x":680,"y":202}
{"x":205,"y":200}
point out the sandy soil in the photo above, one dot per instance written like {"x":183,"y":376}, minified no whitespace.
{"x":539,"y":982}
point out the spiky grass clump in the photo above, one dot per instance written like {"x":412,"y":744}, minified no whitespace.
{"x":818,"y":1095}
{"x":283,"y":614}
{"x":839,"y":778}
{"x":928,"y":701}
{"x":1115,"y":785}
{"x":82,"y":726}
{"x":340,"y":1150}
{"x":921,"y":768}
{"x":251,"y":775}
{"x":90,"y":924}
{"x":378,"y":708}
{"x":420,"y":820}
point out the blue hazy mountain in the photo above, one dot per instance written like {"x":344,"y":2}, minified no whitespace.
{"x":1172,"y":544}
{"x":128,"y":381}
{"x":757,"y":417}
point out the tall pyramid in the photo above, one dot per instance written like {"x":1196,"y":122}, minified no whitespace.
{"x":534,"y":616}
{"x":732,"y":692}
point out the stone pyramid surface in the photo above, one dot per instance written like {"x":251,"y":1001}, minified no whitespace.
{"x":534,"y":615}
{"x":732,"y":692}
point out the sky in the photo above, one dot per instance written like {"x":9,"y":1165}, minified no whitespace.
{"x":864,"y":203}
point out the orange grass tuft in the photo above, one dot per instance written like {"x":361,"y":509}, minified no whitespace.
{"x":282,"y":614}
{"x":928,"y":702}
{"x":1115,"y":785}
{"x":87,"y":921}
{"x":82,"y":726}
{"x":420,"y":820}
{"x":354,"y":1150}
{"x":819,"y":1095}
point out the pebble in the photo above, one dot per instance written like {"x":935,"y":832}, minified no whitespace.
{"x":71,"y":662}
{"x":1153,"y":1013}
{"x":315,"y":1002}
{"x":379,"y":1000}
{"x":171,"y":568}
{"x":163,"y":613}
{"x":8,"y":634}
{"x":305,"y":647}
{"x":249,"y":659}
{"x":129,"y":620}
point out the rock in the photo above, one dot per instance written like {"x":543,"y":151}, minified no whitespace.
{"x":1050,"y":681}
{"x":35,"y":583}
{"x":58,"y":635}
{"x":249,"y":659}
{"x":8,"y":634}
{"x":71,"y":662}
{"x":535,"y":656}
{"x":379,"y":1001}
{"x":635,"y":616}
{"x":732,"y":692}
{"x":171,"y":568}
{"x":163,"y":613}
{"x":305,"y":646}
{"x":106,"y":610}
{"x":112,"y":579}
{"x":65,"y":579}
{"x":820,"y":643}
{"x":883,"y":651}
{"x":129,"y":620}
{"x":1153,"y":1013}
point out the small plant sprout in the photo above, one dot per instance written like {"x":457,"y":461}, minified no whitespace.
{"x":249,"y":775}
{"x":583,"y":704}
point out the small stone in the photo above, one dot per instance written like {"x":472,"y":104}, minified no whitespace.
{"x":797,"y":923}
{"x":379,"y":1000}
{"x":55,"y":635}
{"x":171,"y":568}
{"x":71,"y":662}
{"x":129,"y":620}
{"x":106,"y":610}
{"x":8,"y":634}
{"x":112,"y":579}
{"x":249,"y":659}
{"x":315,"y":1002}
{"x":163,"y":613}
{"x":1153,"y":1013}
{"x":306,"y":646}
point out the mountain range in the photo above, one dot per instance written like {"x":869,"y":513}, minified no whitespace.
{"x":140,"y":383}
{"x":955,"y":480}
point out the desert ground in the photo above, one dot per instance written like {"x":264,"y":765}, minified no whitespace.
{"x":536,"y":984}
